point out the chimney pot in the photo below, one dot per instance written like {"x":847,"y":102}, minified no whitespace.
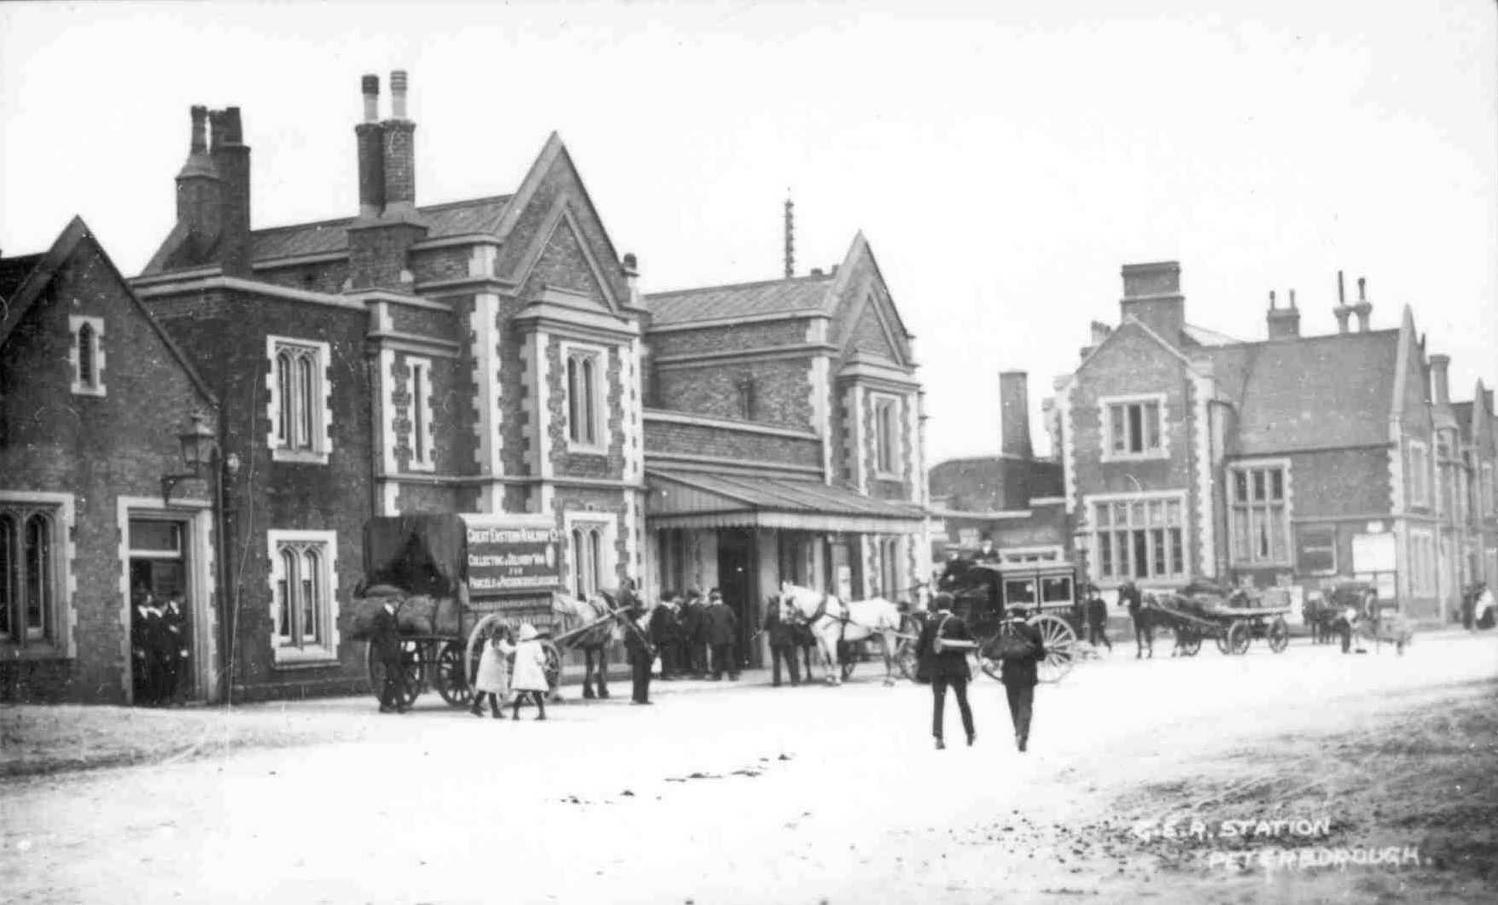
{"x":1341,"y":290}
{"x":232,"y":131}
{"x":631,"y":265}
{"x":371,"y":87}
{"x":1271,"y":300}
{"x":1014,"y":420}
{"x":1362,"y":289}
{"x":1440,"y":387}
{"x":398,"y":94}
{"x":1292,"y":299}
{"x":199,"y":142}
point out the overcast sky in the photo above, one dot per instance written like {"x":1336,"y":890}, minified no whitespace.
{"x":1003,"y":158}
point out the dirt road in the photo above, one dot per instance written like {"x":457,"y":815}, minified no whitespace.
{"x":746,"y":794}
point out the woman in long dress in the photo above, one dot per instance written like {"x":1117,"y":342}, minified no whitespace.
{"x":529,"y":679}
{"x":493,"y":677}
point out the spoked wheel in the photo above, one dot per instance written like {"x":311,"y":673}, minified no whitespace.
{"x":1240,"y":633}
{"x":1222,"y":641}
{"x":450,"y":677}
{"x":1279,"y":635}
{"x":1190,"y":640}
{"x":552,"y":669}
{"x":1060,"y":647}
{"x":410,"y":662}
{"x":905,"y":659}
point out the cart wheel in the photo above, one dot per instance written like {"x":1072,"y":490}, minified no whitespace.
{"x":553,"y":668}
{"x":1222,"y":640}
{"x":1060,"y":646}
{"x":1240,"y":633}
{"x":1190,"y":640}
{"x":1279,"y":635}
{"x":410,"y":659}
{"x":450,"y":677}
{"x":905,"y":660}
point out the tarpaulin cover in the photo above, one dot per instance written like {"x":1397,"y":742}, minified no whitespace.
{"x":421,"y":554}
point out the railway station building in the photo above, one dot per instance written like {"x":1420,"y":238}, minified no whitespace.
{"x":784,"y":439}
{"x":1287,"y":462}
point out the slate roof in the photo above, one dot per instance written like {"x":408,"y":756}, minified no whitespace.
{"x":13,"y":272}
{"x":453,"y":218}
{"x":808,"y":293}
{"x":1310,"y":392}
{"x":786,"y":495}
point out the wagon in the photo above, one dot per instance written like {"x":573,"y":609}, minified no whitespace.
{"x":1230,"y":618}
{"x":421,"y":562}
{"x":1375,"y":620}
{"x":984,"y":592}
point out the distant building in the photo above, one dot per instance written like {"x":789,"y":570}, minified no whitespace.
{"x":1291,"y":461}
{"x":93,"y":395}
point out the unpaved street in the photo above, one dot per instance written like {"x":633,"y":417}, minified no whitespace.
{"x":722,"y":794}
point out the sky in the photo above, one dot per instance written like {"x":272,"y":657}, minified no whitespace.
{"x":1004,"y":159}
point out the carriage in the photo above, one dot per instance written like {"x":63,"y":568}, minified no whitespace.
{"x":422,"y":563}
{"x":1371,"y":619}
{"x":1232,"y":618}
{"x":983,"y":593}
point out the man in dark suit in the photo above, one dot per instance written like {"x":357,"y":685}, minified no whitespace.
{"x":637,"y":641}
{"x":690,"y":626}
{"x":146,"y":644}
{"x":665,"y":634}
{"x":782,"y":635}
{"x":1020,"y":674}
{"x":175,"y":649}
{"x":945,"y":667}
{"x":385,"y":640}
{"x":721,"y":627}
{"x":1097,"y":618}
{"x":986,"y":552}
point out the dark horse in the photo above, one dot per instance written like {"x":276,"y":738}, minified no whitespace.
{"x":576,"y":613}
{"x":1144,"y":617}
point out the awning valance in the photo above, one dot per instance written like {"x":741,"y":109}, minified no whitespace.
{"x":681,"y":499}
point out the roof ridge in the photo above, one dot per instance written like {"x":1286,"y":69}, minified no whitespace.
{"x":441,"y":205}
{"x":749,"y":285}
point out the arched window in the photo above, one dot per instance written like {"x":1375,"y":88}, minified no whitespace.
{"x":304,"y":612}
{"x":595,"y":557}
{"x":8,"y":570}
{"x":311,"y":596}
{"x":305,"y":385}
{"x":285,"y":587}
{"x":579,"y":566}
{"x":583,"y":399}
{"x":283,"y":383}
{"x":87,"y":354}
{"x":29,"y":593}
{"x":38,"y":594}
{"x":298,"y":397}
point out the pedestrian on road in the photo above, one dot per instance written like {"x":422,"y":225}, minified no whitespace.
{"x":530,"y":673}
{"x":722,"y":630}
{"x":782,"y":633}
{"x":945,"y":665}
{"x":665,"y":634}
{"x":385,"y":642}
{"x":1020,"y":653}
{"x":175,"y":649}
{"x":693,"y":634}
{"x":1097,"y":618}
{"x":638,"y":645}
{"x":493,"y":679}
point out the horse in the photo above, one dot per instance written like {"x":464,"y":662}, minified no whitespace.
{"x":832,"y":621}
{"x":1144,"y":616}
{"x":574,"y":613}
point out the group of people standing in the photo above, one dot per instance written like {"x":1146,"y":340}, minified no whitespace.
{"x":695,"y":638}
{"x":160,"y":648}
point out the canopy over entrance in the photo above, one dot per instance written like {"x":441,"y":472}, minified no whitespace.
{"x":693,"y":500}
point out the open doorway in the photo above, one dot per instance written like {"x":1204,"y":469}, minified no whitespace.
{"x":163,"y":613}
{"x":737,"y":581}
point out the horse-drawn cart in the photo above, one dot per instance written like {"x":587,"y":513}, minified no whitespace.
{"x":1230,"y":618}
{"x":985,"y":593}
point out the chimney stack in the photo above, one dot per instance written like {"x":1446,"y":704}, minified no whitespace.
{"x":199,"y":191}
{"x":1014,"y":415}
{"x":1342,"y":311}
{"x":370,"y":136}
{"x":1364,"y":308}
{"x":1099,"y":332}
{"x":1283,"y":323}
{"x":1152,"y":295}
{"x":399,"y":148}
{"x":231,"y":157}
{"x":790,"y":238}
{"x":1440,"y":389}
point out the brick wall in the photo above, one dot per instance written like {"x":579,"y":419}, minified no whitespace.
{"x":97,"y":448}
{"x":725,"y":442}
{"x":324,"y":276}
{"x":781,"y":390}
{"x":448,"y":263}
{"x":728,"y":338}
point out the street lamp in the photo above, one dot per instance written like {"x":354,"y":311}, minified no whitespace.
{"x":198,"y":450}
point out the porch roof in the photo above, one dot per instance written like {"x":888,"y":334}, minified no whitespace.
{"x":679,"y":499}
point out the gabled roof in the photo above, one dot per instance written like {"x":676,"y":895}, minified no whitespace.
{"x":43,"y":267}
{"x":1201,"y":336}
{"x":1310,"y":392}
{"x":453,"y":218}
{"x":13,"y":272}
{"x":783,"y":296}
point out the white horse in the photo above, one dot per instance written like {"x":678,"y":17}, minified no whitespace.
{"x":833,"y":621}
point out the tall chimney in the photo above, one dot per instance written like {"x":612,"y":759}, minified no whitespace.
{"x":1283,"y":323}
{"x":399,"y":152}
{"x":1363,"y":308}
{"x":231,"y":157}
{"x":199,"y":191}
{"x":370,"y":136}
{"x":790,"y":238}
{"x":1342,"y":311}
{"x":1152,"y":295}
{"x":1440,"y":389}
{"x":1014,"y":415}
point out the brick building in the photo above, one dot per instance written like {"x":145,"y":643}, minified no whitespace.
{"x":93,"y":395}
{"x":1291,"y":461}
{"x":784,"y":438}
{"x":1014,"y":498}
{"x":475,"y":356}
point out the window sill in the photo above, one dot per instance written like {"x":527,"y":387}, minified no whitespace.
{"x":888,"y":476}
{"x":298,"y":456}
{"x":587,"y":449}
{"x":421,"y":467}
{"x":304,"y":657}
{"x":10,"y":650}
{"x":81,"y":390}
{"x":1135,"y":457}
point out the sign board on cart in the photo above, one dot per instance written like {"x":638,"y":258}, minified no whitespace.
{"x":512,"y":553}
